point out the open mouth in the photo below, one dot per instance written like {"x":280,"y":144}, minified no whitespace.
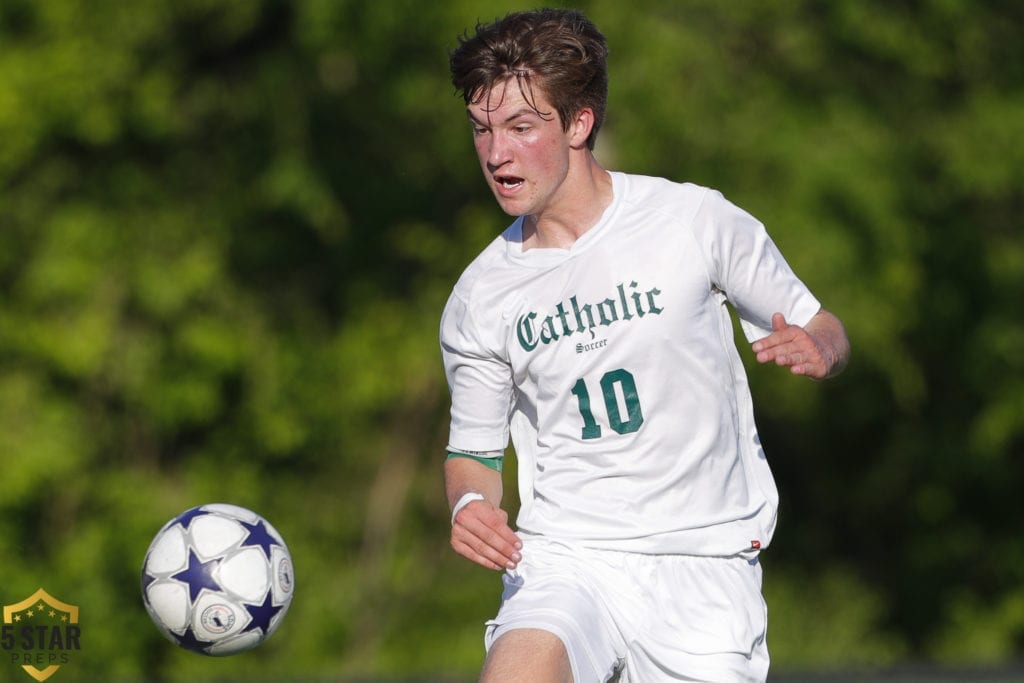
{"x":508,"y":182}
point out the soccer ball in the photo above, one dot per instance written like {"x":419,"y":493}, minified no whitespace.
{"x":217,"y":579}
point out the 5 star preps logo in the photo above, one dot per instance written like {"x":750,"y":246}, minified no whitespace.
{"x":40,"y":633}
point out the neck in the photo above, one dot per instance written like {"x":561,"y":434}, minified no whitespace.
{"x":581,"y":201}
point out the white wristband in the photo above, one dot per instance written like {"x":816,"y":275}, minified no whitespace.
{"x":466,"y":499}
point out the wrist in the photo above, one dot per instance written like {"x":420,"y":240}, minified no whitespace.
{"x":465,"y":500}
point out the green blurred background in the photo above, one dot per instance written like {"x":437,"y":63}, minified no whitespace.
{"x":228,"y":227}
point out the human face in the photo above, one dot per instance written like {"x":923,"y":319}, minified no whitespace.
{"x":525,"y":156}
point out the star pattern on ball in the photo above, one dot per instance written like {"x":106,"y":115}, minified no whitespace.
{"x":185,"y":518}
{"x":189,"y":641}
{"x":198,"y":575}
{"x":261,"y":615}
{"x":258,"y":535}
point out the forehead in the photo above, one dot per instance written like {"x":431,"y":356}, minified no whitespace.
{"x":511,"y":97}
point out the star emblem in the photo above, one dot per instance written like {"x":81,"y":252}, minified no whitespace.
{"x":261,"y":615}
{"x":258,"y":535}
{"x":189,"y":641}
{"x":198,"y":575}
{"x":185,"y":518}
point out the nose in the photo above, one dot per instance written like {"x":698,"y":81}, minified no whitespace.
{"x":499,"y":152}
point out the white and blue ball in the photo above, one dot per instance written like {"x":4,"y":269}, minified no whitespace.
{"x":217,"y":579}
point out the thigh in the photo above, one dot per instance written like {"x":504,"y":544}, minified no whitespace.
{"x":527,"y":654}
{"x":706,"y":621}
{"x":550,"y":592}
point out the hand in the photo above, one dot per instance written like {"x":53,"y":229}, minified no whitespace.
{"x":794,"y":347}
{"x":480,"y":532}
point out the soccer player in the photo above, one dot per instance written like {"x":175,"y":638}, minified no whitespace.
{"x":595,"y":332}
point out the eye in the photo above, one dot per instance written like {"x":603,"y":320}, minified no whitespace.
{"x":522,"y":128}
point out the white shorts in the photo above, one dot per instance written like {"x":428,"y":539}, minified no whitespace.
{"x":642,"y":618}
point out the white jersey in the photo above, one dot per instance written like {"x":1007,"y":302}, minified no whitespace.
{"x":613,"y":367}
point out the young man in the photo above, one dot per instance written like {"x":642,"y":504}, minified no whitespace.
{"x":594,"y":331}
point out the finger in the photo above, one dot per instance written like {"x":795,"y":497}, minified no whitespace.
{"x":482,"y":520}
{"x":790,"y":354}
{"x":500,"y":527}
{"x":789,"y":341}
{"x":488,"y":536}
{"x":475,"y":557}
{"x":815,"y":370}
{"x":784,"y":359}
{"x":810,"y":362}
{"x":793,"y":347}
{"x":780,"y":354}
{"x":490,"y":551}
{"x":782,"y":333}
{"x":481,"y":559}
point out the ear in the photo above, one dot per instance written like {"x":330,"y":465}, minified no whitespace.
{"x":580,"y":127}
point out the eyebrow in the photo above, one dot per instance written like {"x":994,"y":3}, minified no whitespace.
{"x":518,"y":114}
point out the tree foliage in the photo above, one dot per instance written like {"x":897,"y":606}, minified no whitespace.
{"x":228,"y":227}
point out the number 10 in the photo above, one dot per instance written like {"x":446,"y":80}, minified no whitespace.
{"x":612,"y":379}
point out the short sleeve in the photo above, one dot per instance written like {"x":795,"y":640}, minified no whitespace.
{"x":748,"y":267}
{"x":479,"y":380}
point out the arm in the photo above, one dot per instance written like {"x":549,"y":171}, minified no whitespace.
{"x":480,"y":530}
{"x":818,"y":350}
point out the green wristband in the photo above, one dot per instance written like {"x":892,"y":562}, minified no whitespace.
{"x":492,"y":463}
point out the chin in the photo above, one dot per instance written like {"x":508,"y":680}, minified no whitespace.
{"x":512,"y":208}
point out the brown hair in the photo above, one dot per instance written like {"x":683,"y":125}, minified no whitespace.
{"x":560,"y":51}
